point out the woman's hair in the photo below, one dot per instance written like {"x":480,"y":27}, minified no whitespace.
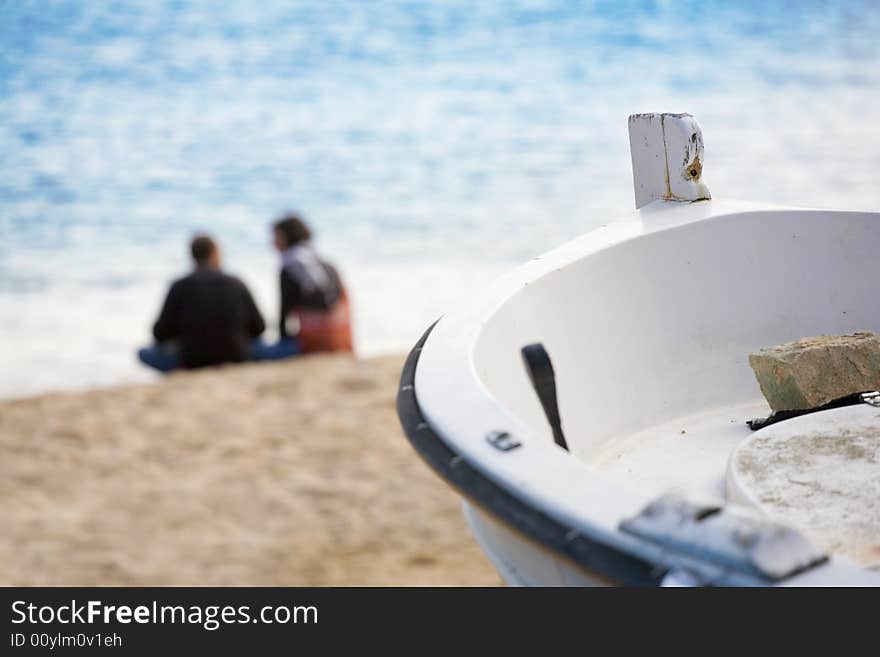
{"x":293,"y":228}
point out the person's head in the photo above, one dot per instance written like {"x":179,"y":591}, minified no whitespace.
{"x":289,"y":231}
{"x":205,"y":251}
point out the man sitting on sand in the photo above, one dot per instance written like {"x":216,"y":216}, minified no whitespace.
{"x":208,"y":318}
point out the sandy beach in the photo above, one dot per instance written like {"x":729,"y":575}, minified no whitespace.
{"x":290,"y":474}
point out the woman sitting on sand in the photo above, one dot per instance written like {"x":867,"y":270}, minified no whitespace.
{"x":314,"y":306}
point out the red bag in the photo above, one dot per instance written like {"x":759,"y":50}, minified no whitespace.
{"x":325,"y":330}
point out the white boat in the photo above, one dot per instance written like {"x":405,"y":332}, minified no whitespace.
{"x":653,"y":477}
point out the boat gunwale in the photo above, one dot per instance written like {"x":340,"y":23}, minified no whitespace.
{"x":598,"y":559}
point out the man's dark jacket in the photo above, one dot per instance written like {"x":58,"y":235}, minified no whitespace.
{"x":212,"y":315}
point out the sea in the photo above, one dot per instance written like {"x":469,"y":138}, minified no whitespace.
{"x":430,"y":145}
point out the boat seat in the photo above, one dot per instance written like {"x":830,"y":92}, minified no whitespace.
{"x":820,"y":473}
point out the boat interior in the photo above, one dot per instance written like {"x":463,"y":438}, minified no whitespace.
{"x":649,"y":340}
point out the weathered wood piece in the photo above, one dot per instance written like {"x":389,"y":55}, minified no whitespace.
{"x":667,"y":158}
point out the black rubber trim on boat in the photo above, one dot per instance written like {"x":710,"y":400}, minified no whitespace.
{"x":593,"y":556}
{"x":780,"y":416}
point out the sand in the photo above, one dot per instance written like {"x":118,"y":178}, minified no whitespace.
{"x":287,"y":474}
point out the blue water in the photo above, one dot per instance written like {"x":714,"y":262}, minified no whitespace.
{"x":432,"y":145}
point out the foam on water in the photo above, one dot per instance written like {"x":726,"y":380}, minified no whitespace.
{"x":432,"y":145}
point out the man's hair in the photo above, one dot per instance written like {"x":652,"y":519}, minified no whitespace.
{"x":293,"y":228}
{"x":202,"y":248}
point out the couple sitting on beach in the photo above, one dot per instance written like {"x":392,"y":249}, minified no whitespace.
{"x":210,"y":318}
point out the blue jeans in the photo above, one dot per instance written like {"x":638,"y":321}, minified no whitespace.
{"x":284,"y":348}
{"x":165,"y":357}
